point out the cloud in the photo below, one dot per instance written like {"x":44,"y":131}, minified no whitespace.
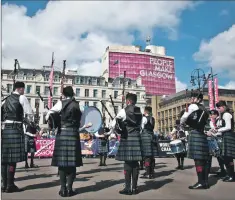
{"x":224,"y":12}
{"x":180,"y":85}
{"x":229,"y":85}
{"x":80,"y":31}
{"x":219,"y":52}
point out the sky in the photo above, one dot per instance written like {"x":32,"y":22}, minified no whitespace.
{"x":198,"y":34}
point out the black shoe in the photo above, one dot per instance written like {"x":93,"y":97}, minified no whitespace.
{"x":151,"y":176}
{"x":26,"y":166}
{"x":33,"y":166}
{"x":125,"y":191}
{"x":3,"y":189}
{"x":221,"y":174}
{"x":197,"y":186}
{"x":145,"y":176}
{"x":178,"y":167}
{"x":228,"y":179}
{"x":225,"y":178}
{"x":182,"y":167}
{"x":206,"y":186}
{"x":100,"y":165}
{"x":13,"y":188}
{"x":71,"y":193}
{"x":63,"y":193}
{"x":104,"y":165}
{"x":135,"y":191}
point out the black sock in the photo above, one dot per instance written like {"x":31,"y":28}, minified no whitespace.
{"x":178,"y":160}
{"x":31,"y":159}
{"x":11,"y":174}
{"x":62,"y":173}
{"x":200,"y":169}
{"x":104,"y":159}
{"x":221,"y":164}
{"x":26,"y":159}
{"x":135,"y":175}
{"x":71,"y":171}
{"x":147,"y":164}
{"x":182,"y":160}
{"x":4,"y":174}
{"x":127,"y":174}
{"x":101,"y":159}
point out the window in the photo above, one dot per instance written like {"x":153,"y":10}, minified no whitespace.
{"x":95,"y":104}
{"x":46,"y":90}
{"x":230,"y":104}
{"x":37,"y":103}
{"x":86,"y":92}
{"x":77,"y":92}
{"x":38,"y":89}
{"x":103,"y":93}
{"x":115,"y":94}
{"x":55,"y":90}
{"x":95,"y":93}
{"x":45,"y":103}
{"x":86,"y":103}
{"x":116,"y":108}
{"x":28,"y":89}
{"x":54,"y":102}
{"x":138,"y":95}
{"x":9,"y":88}
{"x":29,"y":100}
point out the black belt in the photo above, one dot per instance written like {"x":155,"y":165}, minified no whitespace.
{"x":13,"y":125}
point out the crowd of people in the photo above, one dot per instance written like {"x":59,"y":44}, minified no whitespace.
{"x":138,"y":143}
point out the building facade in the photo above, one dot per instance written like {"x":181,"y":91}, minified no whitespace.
{"x":89,"y":90}
{"x":166,"y":110}
{"x":155,"y":68}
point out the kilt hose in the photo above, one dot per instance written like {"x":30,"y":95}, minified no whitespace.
{"x":198,"y":148}
{"x":30,"y":145}
{"x":12,"y":144}
{"x":67,"y":150}
{"x":130,"y":149}
{"x":228,"y":144}
{"x":103,"y":146}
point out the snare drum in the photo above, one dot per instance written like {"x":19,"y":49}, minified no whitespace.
{"x":214,"y":149}
{"x":177,"y":146}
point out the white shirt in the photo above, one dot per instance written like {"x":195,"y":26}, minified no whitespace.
{"x":144,"y":121}
{"x":26,"y":108}
{"x":228,"y":126}
{"x":192,"y":108}
{"x":120,"y":115}
{"x":56,"y":108}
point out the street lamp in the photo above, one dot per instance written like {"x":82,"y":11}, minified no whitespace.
{"x":198,"y":77}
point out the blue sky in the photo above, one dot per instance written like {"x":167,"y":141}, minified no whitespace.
{"x":203,"y":22}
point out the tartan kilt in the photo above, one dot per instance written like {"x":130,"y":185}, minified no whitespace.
{"x":103,"y":146}
{"x":12,"y":144}
{"x":30,"y":145}
{"x":149,"y":149}
{"x":228,"y":144}
{"x":198,"y":147}
{"x":130,"y":149}
{"x":67,"y":150}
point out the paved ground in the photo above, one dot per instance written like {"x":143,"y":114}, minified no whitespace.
{"x":95,"y":182}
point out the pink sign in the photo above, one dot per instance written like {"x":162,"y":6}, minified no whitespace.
{"x":210,"y":95}
{"x":216,"y":90}
{"x":157,"y":73}
{"x":45,"y":147}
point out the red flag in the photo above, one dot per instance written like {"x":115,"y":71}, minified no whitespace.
{"x":51,"y":78}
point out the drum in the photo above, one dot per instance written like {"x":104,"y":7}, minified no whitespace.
{"x":214,"y":149}
{"x":177,"y":146}
{"x":91,"y":115}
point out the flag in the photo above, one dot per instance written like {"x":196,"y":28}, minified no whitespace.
{"x":51,"y":78}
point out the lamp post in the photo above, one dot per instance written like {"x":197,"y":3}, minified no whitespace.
{"x":198,"y":78}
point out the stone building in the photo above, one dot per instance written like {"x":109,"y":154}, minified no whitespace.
{"x":89,"y":90}
{"x":167,"y":108}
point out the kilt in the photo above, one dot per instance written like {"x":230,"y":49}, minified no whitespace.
{"x":198,"y":147}
{"x":228,"y":144}
{"x":149,"y":149}
{"x":30,"y":145}
{"x":67,"y":150}
{"x":103,"y":146}
{"x":130,"y":149}
{"x":12,"y":144}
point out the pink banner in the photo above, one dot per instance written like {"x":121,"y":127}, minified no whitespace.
{"x":216,"y":90}
{"x":210,"y":95}
{"x":45,"y":147}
